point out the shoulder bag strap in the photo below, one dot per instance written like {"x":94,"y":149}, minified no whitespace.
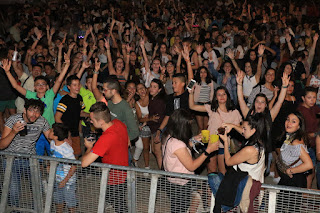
{"x":164,"y":153}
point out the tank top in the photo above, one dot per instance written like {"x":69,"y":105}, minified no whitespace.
{"x":103,"y":58}
{"x":256,"y":171}
{"x":122,"y":80}
{"x":248,"y":83}
{"x":144,"y":110}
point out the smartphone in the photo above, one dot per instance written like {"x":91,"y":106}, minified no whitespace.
{"x":191,"y":84}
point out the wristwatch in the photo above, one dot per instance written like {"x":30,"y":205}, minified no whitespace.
{"x":206,"y":153}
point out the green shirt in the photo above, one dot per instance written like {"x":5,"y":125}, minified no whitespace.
{"x":48,"y":99}
{"x":88,"y":99}
{"x":123,"y":112}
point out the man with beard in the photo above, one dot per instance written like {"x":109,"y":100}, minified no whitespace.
{"x":20,"y":135}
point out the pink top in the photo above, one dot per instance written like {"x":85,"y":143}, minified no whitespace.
{"x":171,"y":162}
{"x":217,"y":118}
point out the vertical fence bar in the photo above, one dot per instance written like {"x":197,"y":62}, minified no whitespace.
{"x":153,"y":193}
{"x":272,"y":201}
{"x":103,"y":189}
{"x":51,"y":180}
{"x":131,"y":184}
{"x":6,"y":184}
{"x":36,"y":184}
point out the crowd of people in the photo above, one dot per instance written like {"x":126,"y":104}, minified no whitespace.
{"x":136,"y":74}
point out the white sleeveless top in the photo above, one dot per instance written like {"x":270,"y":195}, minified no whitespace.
{"x":256,"y":171}
{"x":144,"y":110}
{"x":248,"y":84}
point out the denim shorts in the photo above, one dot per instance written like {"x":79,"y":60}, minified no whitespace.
{"x":312,"y":155}
{"x":66,"y":194}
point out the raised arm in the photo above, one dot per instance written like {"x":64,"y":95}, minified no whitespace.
{"x":230,"y":54}
{"x":144,"y":54}
{"x":288,"y":39}
{"x":96,"y":92}
{"x":243,"y":106}
{"x":276,"y":108}
{"x":110,"y":63}
{"x":185,"y":54}
{"x":261,"y":49}
{"x":199,"y":50}
{"x":84,"y":66}
{"x":6,"y":64}
{"x":58,"y":82}
{"x":59,"y":57}
{"x":192,"y":106}
{"x":127,"y":61}
{"x":35,"y":43}
{"x":313,"y":47}
{"x":178,"y":66}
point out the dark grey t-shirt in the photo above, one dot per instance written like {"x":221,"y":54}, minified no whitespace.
{"x":26,"y":144}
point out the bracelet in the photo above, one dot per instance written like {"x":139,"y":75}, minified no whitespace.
{"x":285,"y":86}
{"x":206,"y":153}
{"x":160,"y":130}
{"x":95,"y":72}
{"x":259,"y":56}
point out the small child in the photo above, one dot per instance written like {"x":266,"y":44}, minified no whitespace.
{"x":65,"y":186}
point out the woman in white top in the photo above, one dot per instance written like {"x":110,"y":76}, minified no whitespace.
{"x":251,"y":78}
{"x":294,"y":152}
{"x":251,"y":157}
{"x":143,"y":117}
{"x":102,"y":55}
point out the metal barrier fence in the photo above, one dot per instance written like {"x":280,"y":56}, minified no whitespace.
{"x":32,"y":183}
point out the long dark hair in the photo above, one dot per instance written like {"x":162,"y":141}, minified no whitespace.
{"x":215,"y":104}
{"x":198,"y":78}
{"x":300,"y":134}
{"x":258,"y":122}
{"x":179,"y":126}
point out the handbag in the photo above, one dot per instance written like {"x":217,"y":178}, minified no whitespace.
{"x":282,"y":167}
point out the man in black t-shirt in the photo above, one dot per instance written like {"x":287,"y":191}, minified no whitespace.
{"x":69,"y":111}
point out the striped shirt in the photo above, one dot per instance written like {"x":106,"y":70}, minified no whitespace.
{"x":26,"y":144}
{"x":290,"y":153}
{"x":259,"y":89}
{"x":205,"y":90}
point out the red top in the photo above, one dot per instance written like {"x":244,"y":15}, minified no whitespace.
{"x":112,"y":146}
{"x":310,"y":120}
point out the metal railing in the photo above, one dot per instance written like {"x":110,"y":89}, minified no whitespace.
{"x":30,"y":183}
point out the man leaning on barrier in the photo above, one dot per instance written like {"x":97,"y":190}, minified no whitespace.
{"x":20,"y":135}
{"x":112,"y":146}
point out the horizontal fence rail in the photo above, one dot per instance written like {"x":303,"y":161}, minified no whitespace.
{"x":31,"y":183}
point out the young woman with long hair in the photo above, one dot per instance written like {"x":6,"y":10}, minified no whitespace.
{"x":203,"y":94}
{"x":177,"y":158}
{"x":220,"y":111}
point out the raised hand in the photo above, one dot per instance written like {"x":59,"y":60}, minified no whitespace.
{"x":97,"y":64}
{"x":261,"y":49}
{"x":107,"y":44}
{"x":230,"y":54}
{"x":85,"y":64}
{"x":285,"y":79}
{"x":52,"y":31}
{"x":6,"y":64}
{"x":142,"y":43}
{"x":185,"y":53}
{"x":315,"y":37}
{"x":163,"y":69}
{"x":66,"y":58}
{"x":239,"y":77}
